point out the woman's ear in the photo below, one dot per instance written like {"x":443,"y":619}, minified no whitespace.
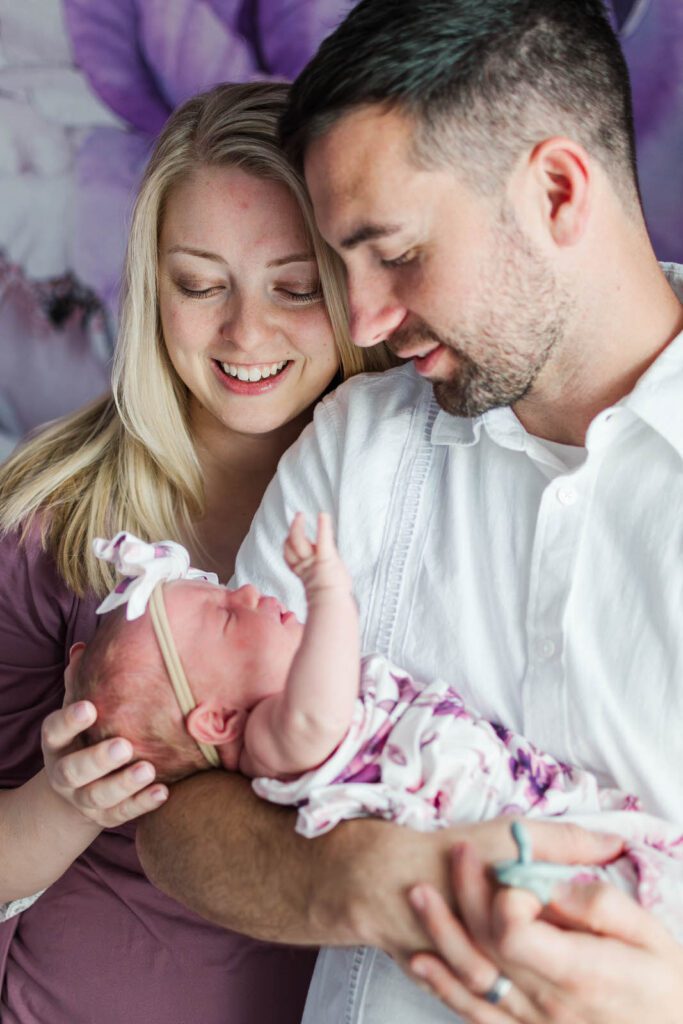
{"x":215,"y":726}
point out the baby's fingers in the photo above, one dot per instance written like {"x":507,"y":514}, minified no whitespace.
{"x":325,"y":546}
{"x":297,"y":546}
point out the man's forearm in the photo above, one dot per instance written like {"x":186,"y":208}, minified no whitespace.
{"x":237,"y":861}
{"x":232,"y":858}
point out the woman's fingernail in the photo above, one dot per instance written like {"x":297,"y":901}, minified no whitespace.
{"x":82,"y":711}
{"x":119,"y":750}
{"x":143,"y":773}
{"x":159,"y":794}
{"x":418,"y":969}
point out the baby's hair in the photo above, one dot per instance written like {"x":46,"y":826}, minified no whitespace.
{"x":122,"y":673}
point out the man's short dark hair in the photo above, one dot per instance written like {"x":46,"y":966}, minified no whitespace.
{"x":483,"y":79}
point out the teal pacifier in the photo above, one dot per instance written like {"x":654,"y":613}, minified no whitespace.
{"x":539,"y":877}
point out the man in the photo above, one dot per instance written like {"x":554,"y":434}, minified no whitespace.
{"x":473,"y":165}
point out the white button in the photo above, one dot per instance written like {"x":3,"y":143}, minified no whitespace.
{"x":546,"y":648}
{"x":566,"y":495}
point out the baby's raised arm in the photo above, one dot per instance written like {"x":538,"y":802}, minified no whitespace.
{"x":297,"y":729}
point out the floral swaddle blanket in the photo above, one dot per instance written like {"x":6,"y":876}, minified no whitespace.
{"x":417,"y":755}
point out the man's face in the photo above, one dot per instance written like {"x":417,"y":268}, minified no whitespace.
{"x":444,"y":274}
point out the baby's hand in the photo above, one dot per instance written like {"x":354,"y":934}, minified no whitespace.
{"x":318,"y":566}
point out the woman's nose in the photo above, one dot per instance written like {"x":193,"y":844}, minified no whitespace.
{"x":246,"y":325}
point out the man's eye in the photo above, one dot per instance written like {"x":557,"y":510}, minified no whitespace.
{"x":400,"y":261}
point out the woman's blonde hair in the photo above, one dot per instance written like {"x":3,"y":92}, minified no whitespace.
{"x":128,"y":461}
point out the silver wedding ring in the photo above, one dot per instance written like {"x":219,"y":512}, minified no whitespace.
{"x":498,"y":990}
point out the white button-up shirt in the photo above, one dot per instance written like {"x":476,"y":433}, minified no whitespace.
{"x":552,"y":598}
{"x":549,"y":592}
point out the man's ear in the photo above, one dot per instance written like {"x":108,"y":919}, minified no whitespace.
{"x":561,"y":170}
{"x":215,"y":726}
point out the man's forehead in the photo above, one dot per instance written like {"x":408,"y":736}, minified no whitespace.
{"x":351,"y":162}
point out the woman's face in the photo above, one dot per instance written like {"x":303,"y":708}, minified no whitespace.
{"x":241,"y":307}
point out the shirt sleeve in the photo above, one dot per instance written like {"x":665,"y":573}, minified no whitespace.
{"x":37,"y":618}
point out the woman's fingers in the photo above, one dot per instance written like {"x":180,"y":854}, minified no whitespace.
{"x":61,"y":728}
{"x":443,"y":983}
{"x":450,"y":938}
{"x":605,"y":910}
{"x":465,"y":973}
{"x":81,"y":767}
{"x":137,"y":800}
{"x":88,"y":778}
{"x":105,"y":796}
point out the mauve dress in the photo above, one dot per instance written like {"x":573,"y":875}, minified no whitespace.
{"x":102,"y":945}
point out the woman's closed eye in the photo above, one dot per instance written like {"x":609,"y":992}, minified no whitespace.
{"x":190,"y":289}
{"x":309,"y":296}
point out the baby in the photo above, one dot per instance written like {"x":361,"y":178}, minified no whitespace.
{"x":196,"y":675}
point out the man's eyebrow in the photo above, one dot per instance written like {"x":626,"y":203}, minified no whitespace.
{"x":295,"y":257}
{"x":368,"y":232}
{"x":202,"y":253}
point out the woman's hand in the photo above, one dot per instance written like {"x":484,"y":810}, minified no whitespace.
{"x":593,"y":957}
{"x":92,"y":779}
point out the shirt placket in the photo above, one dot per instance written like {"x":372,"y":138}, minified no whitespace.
{"x":559,"y":524}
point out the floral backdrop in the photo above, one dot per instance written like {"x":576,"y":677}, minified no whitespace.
{"x":85,"y":85}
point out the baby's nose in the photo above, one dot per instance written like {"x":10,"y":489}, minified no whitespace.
{"x":248,"y":596}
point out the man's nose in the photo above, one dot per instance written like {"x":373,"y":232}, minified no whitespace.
{"x":247,"y":596}
{"x":374,"y":312}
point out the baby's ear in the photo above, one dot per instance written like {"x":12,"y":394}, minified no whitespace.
{"x":216,"y":726}
{"x":75,"y":654}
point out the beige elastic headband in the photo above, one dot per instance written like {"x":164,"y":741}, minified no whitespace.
{"x":174,"y":667}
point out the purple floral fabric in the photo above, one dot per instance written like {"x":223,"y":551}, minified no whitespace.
{"x":417,"y":755}
{"x":144,"y":57}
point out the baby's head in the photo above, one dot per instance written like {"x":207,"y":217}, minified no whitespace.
{"x":235,"y":647}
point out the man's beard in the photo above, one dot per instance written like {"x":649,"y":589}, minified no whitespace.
{"x":520,"y":321}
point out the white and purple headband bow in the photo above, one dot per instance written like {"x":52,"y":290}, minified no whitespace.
{"x":145,"y":567}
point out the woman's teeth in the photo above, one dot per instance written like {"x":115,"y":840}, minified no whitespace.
{"x":253,"y":373}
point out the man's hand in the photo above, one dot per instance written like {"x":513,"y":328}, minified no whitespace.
{"x":389,"y":861}
{"x":592,"y":957}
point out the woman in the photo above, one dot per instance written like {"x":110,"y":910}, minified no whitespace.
{"x":233,"y":325}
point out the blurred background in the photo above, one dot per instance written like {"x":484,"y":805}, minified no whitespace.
{"x":85,"y":85}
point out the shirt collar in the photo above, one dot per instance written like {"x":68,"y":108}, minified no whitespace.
{"x":657,"y":400}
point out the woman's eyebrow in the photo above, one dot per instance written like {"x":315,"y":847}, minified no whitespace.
{"x":202,"y":253}
{"x":295,"y":257}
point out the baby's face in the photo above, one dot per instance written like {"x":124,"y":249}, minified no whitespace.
{"x":235,"y":642}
